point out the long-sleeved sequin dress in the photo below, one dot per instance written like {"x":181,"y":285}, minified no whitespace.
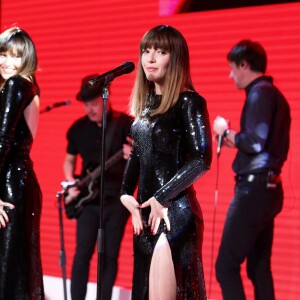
{"x":20,"y":260}
{"x":171,"y":151}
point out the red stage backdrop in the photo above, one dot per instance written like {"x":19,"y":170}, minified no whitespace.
{"x":75,"y":38}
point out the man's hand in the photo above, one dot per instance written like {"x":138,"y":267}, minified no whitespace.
{"x":127,"y":148}
{"x":220,"y":125}
{"x":72,"y":192}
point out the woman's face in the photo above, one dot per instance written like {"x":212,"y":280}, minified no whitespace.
{"x":155,"y":64}
{"x":9,"y":64}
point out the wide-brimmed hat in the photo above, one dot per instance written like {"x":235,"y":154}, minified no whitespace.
{"x":88,"y":92}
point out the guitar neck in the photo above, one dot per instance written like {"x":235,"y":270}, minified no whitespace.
{"x":95,"y":174}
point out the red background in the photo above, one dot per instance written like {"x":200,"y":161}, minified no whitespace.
{"x":75,"y":38}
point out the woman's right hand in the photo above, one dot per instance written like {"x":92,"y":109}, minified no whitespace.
{"x":133,"y":206}
{"x":3,"y":215}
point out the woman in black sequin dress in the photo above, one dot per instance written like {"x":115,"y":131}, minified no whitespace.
{"x":20,"y":195}
{"x":172,"y":149}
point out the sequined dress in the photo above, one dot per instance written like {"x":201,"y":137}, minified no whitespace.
{"x":171,"y":151}
{"x":20,"y":260}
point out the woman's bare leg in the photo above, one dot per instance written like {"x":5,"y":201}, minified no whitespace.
{"x":162,"y":280}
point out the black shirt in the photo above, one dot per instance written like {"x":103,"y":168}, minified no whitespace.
{"x":263,"y":140}
{"x":85,"y":139}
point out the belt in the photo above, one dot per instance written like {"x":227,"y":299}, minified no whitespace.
{"x":258,"y":178}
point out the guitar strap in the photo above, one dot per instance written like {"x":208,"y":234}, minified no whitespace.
{"x":111,"y":127}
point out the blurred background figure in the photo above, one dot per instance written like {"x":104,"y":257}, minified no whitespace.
{"x":262,"y":143}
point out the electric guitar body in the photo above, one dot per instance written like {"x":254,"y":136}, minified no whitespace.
{"x":89,"y":187}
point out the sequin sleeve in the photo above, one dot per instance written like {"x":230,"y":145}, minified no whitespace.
{"x":131,"y":174}
{"x":198,"y":148}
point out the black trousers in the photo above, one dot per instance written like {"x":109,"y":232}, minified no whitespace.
{"x":115,"y":218}
{"x":248,"y":234}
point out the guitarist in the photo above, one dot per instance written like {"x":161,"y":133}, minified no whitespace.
{"x":84,"y":140}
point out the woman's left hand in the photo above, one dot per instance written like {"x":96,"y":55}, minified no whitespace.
{"x":3,"y":215}
{"x":158,"y":212}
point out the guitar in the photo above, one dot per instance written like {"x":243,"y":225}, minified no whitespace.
{"x":74,"y":206}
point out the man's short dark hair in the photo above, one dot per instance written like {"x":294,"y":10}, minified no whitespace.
{"x":251,"y":52}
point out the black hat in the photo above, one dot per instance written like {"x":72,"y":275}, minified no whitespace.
{"x":87,"y":92}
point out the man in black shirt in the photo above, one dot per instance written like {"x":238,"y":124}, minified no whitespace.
{"x":84,"y":139}
{"x":262,"y":143}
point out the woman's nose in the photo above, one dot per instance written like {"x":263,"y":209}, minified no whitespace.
{"x":151,"y":57}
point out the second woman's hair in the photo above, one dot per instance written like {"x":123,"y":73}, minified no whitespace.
{"x":17,"y":42}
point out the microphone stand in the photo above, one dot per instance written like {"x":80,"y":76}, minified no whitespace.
{"x":62,"y":254}
{"x":55,"y":105}
{"x":100,"y":238}
{"x":46,"y":109}
{"x":214,"y":218}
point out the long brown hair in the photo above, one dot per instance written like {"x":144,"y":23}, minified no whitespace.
{"x":18,"y":42}
{"x":178,"y":75}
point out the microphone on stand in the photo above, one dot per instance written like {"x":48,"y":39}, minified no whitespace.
{"x":56,"y":104}
{"x":220,"y":140}
{"x":106,"y":78}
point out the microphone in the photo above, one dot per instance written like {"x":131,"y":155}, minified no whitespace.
{"x":106,"y":78}
{"x":56,"y":104}
{"x":220,"y":140}
{"x":62,"y":103}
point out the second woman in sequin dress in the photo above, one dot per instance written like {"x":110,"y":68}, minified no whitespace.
{"x":20,"y":195}
{"x":172,"y":149}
